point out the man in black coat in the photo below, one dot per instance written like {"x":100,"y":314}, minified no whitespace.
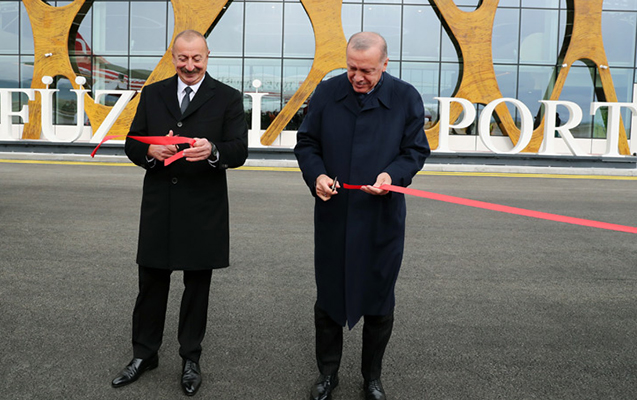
{"x":364,"y":127}
{"x":184,"y":212}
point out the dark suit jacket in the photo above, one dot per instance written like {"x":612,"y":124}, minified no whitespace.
{"x":184,"y":213}
{"x":359,"y":237}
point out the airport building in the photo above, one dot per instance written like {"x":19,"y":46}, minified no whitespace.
{"x":117,"y":44}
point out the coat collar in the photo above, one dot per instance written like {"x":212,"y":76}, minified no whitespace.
{"x":169,"y":95}
{"x":382,"y":96}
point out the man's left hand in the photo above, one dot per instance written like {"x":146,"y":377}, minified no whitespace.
{"x":382,"y":179}
{"x":199,"y":151}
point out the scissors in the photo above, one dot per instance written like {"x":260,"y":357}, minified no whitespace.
{"x":335,"y":183}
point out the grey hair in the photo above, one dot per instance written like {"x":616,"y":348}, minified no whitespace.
{"x":189,"y":35}
{"x":362,"y":41}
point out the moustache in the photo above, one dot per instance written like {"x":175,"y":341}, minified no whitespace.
{"x":185,"y":71}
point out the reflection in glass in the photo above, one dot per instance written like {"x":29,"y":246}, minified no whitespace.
{"x":351,"y":15}
{"x":299,"y":36}
{"x":226,"y":38}
{"x":140,"y":70}
{"x":424,"y":77}
{"x":111,"y":74}
{"x":622,"y":5}
{"x":535,"y":84}
{"x":505,"y":36}
{"x":9,"y":28}
{"x":579,"y":89}
{"x":64,"y":102}
{"x":263,"y":27}
{"x":228,"y":71}
{"x":619,"y":28}
{"x":294,"y":73}
{"x":449,"y":78}
{"x":506,"y":76}
{"x":449,"y":52}
{"x":9,"y":71}
{"x":26,"y":71}
{"x":26,"y":33}
{"x":623,"y":83}
{"x":541,"y":3}
{"x":421,"y":34}
{"x":393,"y":68}
{"x":538,"y":42}
{"x":110,"y":29}
{"x":147,"y":27}
{"x":386,"y":21}
{"x":268,"y":71}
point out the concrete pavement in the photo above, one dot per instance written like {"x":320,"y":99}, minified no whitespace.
{"x":489,"y":305}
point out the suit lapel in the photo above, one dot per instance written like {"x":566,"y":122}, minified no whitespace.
{"x":169,"y":96}
{"x":205,"y":92}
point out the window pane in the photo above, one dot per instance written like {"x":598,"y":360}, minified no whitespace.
{"x":386,"y":21}
{"x":421,"y":34}
{"x":228,"y":71}
{"x":226,"y":38}
{"x":449,"y":76}
{"x":579,"y":89}
{"x":505,"y":36}
{"x":623,"y":82}
{"x":618,"y":31}
{"x":9,"y":70}
{"x":539,"y":37}
{"x":263,"y":29}
{"x":111,"y":74}
{"x":9,"y":28}
{"x":148,"y":28}
{"x":424,"y":77}
{"x":140,"y":70}
{"x":26,"y":71}
{"x":26,"y":33}
{"x":110,"y":29}
{"x":299,"y":36}
{"x":623,"y":5}
{"x":507,"y":77}
{"x":294,"y":73}
{"x":541,"y":3}
{"x":64,"y":102}
{"x":269,"y":73}
{"x":352,"y":19}
{"x":534,"y":84}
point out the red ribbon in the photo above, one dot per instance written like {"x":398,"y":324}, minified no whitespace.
{"x":501,"y":208}
{"x":158,"y":140}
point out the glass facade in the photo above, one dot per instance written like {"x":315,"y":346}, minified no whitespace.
{"x":120,"y":42}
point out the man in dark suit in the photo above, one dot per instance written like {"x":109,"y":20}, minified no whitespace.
{"x":184,"y":212}
{"x":364,"y":127}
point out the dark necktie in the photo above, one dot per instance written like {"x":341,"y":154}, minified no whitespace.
{"x":186,"y":100}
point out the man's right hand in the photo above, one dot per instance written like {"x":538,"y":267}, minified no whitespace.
{"x":324,"y":187}
{"x":161,"y":152}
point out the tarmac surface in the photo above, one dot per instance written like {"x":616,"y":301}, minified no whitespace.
{"x":489,"y":305}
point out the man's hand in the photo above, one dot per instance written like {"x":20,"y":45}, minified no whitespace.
{"x":324,"y":187}
{"x":161,"y":152}
{"x":382,"y":179}
{"x":199,"y":151}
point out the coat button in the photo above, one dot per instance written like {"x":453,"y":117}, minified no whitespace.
{"x":174,"y":181}
{"x":179,"y":124}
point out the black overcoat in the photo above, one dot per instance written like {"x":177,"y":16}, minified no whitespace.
{"x":359,"y":238}
{"x":184,"y":212}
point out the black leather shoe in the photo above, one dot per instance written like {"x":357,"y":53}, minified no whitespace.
{"x":323,"y":387}
{"x":191,"y":378}
{"x":134,"y":370}
{"x":374,"y":390}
